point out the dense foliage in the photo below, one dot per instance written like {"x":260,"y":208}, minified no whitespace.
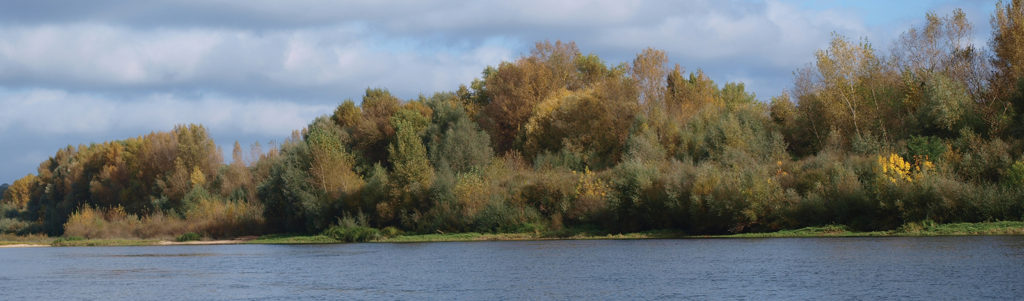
{"x":555,"y":139}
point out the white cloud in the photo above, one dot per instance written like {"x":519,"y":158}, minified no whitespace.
{"x":410,"y":48}
{"x":56,"y":112}
{"x":322,"y":63}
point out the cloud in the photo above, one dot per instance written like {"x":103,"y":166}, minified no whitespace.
{"x":316,"y":64}
{"x":335,"y":50}
{"x":34,"y":123}
{"x":56,"y":112}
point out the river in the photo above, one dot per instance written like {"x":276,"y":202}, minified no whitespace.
{"x":978,"y":267}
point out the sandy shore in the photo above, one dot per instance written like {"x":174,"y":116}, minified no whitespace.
{"x":23,"y":246}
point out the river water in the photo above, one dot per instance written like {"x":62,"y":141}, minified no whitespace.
{"x":979,"y":267}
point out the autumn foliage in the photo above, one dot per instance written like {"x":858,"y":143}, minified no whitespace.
{"x":929,"y":130}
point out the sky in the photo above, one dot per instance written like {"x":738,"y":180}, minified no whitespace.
{"x":81,"y":72}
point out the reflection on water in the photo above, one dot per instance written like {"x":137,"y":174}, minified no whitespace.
{"x":803,"y":268}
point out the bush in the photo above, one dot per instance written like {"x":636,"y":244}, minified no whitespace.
{"x":390,"y":231}
{"x":977,"y":159}
{"x":1015,"y":176}
{"x":13,"y":226}
{"x":352,"y":233}
{"x":550,"y":193}
{"x":352,"y":229}
{"x":501,"y":217}
{"x":929,"y":147}
{"x":210,"y":217}
{"x":737,"y":199}
{"x":89,"y":222}
{"x":190,"y":236}
{"x":219,"y":219}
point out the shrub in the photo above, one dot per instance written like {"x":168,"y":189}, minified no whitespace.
{"x":590,"y":198}
{"x":210,"y":217}
{"x":352,"y":233}
{"x":1015,"y":176}
{"x":160,"y":225}
{"x":977,"y":159}
{"x":501,"y":217}
{"x":928,"y":147}
{"x":352,"y":229}
{"x":89,"y":222}
{"x":12,"y":225}
{"x":390,"y":231}
{"x":832,"y":190}
{"x":190,"y":236}
{"x":550,"y":193}
{"x":218,"y":218}
{"x":737,"y":199}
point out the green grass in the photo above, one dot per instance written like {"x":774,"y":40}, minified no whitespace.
{"x":988,"y":228}
{"x":62,"y":242}
{"x":910,"y":229}
{"x":825,"y":231}
{"x":286,"y":239}
{"x":35,"y":239}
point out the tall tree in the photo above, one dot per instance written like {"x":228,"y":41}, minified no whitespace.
{"x":839,"y":92}
{"x":648,"y":72}
{"x":374,"y":130}
{"x":1008,"y":45}
{"x":19,"y":193}
{"x":407,"y":153}
{"x":330,"y":165}
{"x":1008,"y":80}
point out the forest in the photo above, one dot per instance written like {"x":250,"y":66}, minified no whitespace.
{"x":928,"y":131}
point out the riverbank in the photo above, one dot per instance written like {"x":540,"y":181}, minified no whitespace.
{"x":913,"y":229}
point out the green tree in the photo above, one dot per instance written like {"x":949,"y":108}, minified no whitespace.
{"x":407,"y":153}
{"x":374,"y":130}
{"x":289,"y":189}
{"x":945,"y":106}
{"x":456,"y":143}
{"x":330,"y":165}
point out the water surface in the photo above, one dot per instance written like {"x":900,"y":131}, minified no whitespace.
{"x":989,"y":267}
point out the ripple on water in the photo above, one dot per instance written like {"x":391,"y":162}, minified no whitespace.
{"x":849,"y":268}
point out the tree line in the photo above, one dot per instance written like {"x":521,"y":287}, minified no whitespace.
{"x":930,"y":132}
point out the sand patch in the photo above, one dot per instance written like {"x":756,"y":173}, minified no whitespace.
{"x":24,"y":246}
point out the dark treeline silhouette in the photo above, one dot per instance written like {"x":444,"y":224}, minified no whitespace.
{"x":559,"y":139}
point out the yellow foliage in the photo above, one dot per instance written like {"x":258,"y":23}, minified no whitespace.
{"x":472,"y":194}
{"x":778,"y":170}
{"x":197,"y":177}
{"x":896,"y":170}
{"x":591,"y":194}
{"x":19,"y":193}
{"x":545,"y":108}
